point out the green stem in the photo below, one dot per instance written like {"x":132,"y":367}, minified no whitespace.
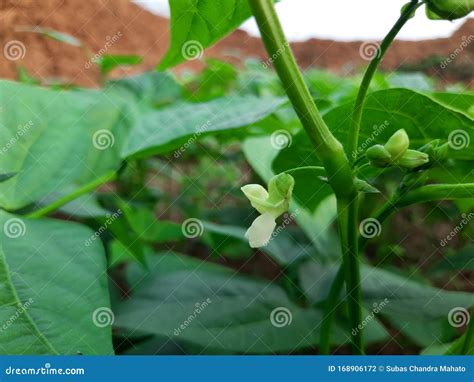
{"x":329,"y":309}
{"x":347,"y":218}
{"x":369,"y":74}
{"x":468,"y":344}
{"x":304,"y":168}
{"x":423,"y":194}
{"x":338,"y":282}
{"x":329,"y":149}
{"x":70,"y":197}
{"x":432,"y":192}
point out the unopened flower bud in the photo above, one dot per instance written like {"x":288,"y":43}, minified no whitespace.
{"x":448,"y":9}
{"x":413,"y":159}
{"x":379,"y":156}
{"x":398,"y":144}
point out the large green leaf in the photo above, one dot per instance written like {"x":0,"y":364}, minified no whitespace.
{"x":55,"y":139}
{"x":415,"y":309}
{"x":53,"y":296}
{"x":216,"y":308}
{"x":198,"y":24}
{"x":182,"y":124}
{"x":462,"y":102}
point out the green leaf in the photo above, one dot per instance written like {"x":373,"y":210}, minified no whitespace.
{"x":182,"y":124}
{"x":220,"y":310}
{"x":148,"y":228}
{"x":53,"y":288}
{"x":198,"y":24}
{"x":149,"y":88}
{"x":411,"y":306}
{"x":215,"y":81}
{"x":61,"y":139}
{"x":461,"y":102}
{"x":108,"y":62}
{"x":456,"y":347}
{"x":310,"y":184}
{"x":463,"y":260}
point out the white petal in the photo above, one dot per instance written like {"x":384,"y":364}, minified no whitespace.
{"x":257,"y":196}
{"x":261,"y":230}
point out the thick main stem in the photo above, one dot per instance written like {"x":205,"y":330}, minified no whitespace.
{"x":347,"y":219}
{"x":328,"y":148}
{"x":369,"y":74}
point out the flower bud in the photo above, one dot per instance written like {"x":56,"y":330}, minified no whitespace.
{"x":379,"y":156}
{"x":413,"y":159}
{"x":280,"y":188}
{"x":448,"y":9}
{"x":397,"y":144}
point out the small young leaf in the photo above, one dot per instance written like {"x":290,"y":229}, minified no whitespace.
{"x":109,"y":62}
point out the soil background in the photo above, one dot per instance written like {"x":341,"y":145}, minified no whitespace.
{"x":95,"y":22}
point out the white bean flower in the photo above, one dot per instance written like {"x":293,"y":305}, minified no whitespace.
{"x":270,"y":204}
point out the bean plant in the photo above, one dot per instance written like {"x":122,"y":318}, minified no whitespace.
{"x":96,"y":244}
